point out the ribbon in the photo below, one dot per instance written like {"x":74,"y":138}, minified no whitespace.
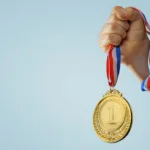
{"x":114,"y":58}
{"x":113,"y":65}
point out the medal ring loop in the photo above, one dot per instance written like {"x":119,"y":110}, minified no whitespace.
{"x":111,"y":89}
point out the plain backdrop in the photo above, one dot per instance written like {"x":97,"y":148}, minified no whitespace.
{"x":52,"y":74}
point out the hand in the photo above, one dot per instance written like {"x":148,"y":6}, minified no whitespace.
{"x":125,"y":28}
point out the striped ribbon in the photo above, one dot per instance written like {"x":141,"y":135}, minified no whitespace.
{"x":113,"y":60}
{"x":113,"y":65}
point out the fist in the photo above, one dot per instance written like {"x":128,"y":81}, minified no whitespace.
{"x":125,"y":28}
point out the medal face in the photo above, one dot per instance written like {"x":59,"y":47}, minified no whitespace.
{"x":112,"y":117}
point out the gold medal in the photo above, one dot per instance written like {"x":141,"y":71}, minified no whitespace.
{"x":112,"y":117}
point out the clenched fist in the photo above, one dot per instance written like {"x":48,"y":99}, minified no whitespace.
{"x":125,"y":28}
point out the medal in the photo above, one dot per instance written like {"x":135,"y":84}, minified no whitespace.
{"x":112,"y":117}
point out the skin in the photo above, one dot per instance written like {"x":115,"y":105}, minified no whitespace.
{"x":125,"y":27}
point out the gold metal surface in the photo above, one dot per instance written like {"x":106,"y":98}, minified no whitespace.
{"x":112,"y":117}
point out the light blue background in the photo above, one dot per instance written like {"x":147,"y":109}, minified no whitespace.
{"x":52,"y":74}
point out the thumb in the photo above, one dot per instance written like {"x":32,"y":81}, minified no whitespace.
{"x":134,"y":17}
{"x":128,"y":14}
{"x":132,"y":14}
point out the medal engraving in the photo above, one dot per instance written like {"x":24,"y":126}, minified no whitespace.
{"x":111,"y":115}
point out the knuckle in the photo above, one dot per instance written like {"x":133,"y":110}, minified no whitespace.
{"x":122,"y":33}
{"x":116,"y":7}
{"x":117,"y":40}
{"x":109,"y":37}
{"x":114,"y":39}
{"x":113,"y":18}
{"x":112,"y":26}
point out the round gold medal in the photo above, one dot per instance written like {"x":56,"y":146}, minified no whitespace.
{"x":112,"y":117}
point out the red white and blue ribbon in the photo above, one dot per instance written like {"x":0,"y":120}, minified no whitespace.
{"x":113,"y":65}
{"x":113,"y":61}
